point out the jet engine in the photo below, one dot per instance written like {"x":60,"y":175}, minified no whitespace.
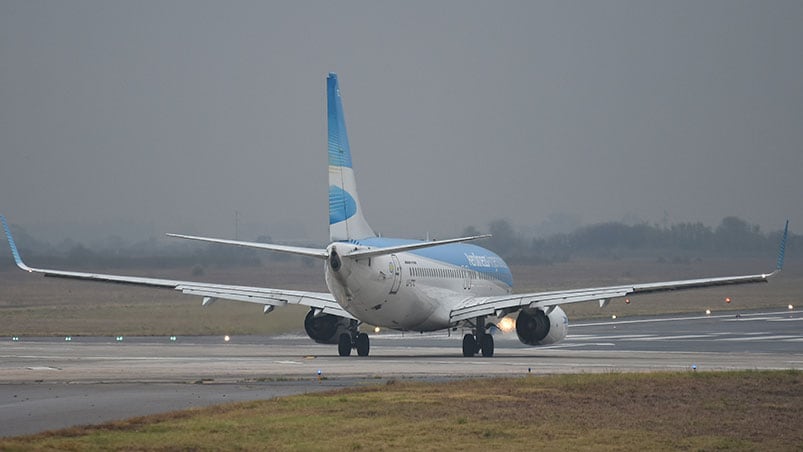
{"x":536,"y":327}
{"x":327,"y":328}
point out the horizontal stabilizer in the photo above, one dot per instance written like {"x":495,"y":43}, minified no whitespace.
{"x":298,"y":250}
{"x":414,"y":246}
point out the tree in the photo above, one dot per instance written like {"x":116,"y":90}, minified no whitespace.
{"x":737,"y":235}
{"x":504,"y":241}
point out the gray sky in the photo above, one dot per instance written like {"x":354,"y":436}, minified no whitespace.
{"x":138,"y":118}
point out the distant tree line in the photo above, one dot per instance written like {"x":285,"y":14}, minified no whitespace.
{"x":114,"y":252}
{"x":678,"y":242}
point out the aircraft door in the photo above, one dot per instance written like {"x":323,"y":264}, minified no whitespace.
{"x":395,"y":270}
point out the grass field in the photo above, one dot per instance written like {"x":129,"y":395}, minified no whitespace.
{"x":31,"y":305}
{"x":663,"y":411}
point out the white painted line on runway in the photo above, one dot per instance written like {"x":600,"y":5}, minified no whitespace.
{"x":757,"y":338}
{"x":753,"y":319}
{"x":623,"y":322}
{"x":731,"y":316}
{"x":595,"y":337}
{"x":688,"y":336}
{"x":592,"y":344}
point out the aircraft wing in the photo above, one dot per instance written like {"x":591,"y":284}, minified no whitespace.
{"x":506,"y":304}
{"x":269,"y":298}
{"x":479,"y":306}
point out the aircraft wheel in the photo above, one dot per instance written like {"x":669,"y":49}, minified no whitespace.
{"x":487,"y":345}
{"x":344,"y":345}
{"x":363,"y":344}
{"x":469,"y":345}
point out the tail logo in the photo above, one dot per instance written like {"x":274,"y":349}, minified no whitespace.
{"x":342,"y":205}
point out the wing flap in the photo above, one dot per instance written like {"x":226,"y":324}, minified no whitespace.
{"x":479,"y":306}
{"x":272,"y":297}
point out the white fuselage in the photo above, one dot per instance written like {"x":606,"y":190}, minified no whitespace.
{"x":405,"y":291}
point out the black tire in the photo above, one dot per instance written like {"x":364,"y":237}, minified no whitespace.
{"x":469,"y":345}
{"x":363,"y":344}
{"x":344,"y":344}
{"x":487,"y":345}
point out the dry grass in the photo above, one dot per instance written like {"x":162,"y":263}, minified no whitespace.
{"x":664,"y":411}
{"x":34,"y":306}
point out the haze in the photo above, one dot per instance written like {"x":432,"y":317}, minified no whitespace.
{"x":139,"y":118}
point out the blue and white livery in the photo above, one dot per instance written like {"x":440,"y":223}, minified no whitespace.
{"x":401,"y":284}
{"x":346,"y":221}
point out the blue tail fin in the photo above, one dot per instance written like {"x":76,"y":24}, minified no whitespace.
{"x":346,"y":221}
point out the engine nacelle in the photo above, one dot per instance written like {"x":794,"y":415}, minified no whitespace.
{"x":326,"y":328}
{"x":535,"y":327}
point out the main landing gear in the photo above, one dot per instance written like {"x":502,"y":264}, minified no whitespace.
{"x":353,"y":339}
{"x":480,"y":341}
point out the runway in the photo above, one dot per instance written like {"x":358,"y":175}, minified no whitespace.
{"x":48,"y":383}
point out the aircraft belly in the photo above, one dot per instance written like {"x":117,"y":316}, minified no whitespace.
{"x":409,"y":309}
{"x":376,"y":293}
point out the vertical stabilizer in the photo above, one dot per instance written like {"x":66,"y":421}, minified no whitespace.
{"x":346,"y":221}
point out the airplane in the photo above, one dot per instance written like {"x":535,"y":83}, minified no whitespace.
{"x":406,"y":285}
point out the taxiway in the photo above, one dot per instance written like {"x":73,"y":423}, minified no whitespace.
{"x":48,"y":383}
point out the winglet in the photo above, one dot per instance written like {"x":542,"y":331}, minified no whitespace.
{"x":782,"y":248}
{"x":13,"y":246}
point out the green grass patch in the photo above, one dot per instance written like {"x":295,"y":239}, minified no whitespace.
{"x":658,"y":411}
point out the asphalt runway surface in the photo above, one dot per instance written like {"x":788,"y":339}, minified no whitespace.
{"x":50,"y":383}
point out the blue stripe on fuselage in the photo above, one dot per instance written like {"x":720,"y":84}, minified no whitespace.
{"x":458,"y":254}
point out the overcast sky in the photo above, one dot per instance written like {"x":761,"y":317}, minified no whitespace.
{"x":138,"y":118}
